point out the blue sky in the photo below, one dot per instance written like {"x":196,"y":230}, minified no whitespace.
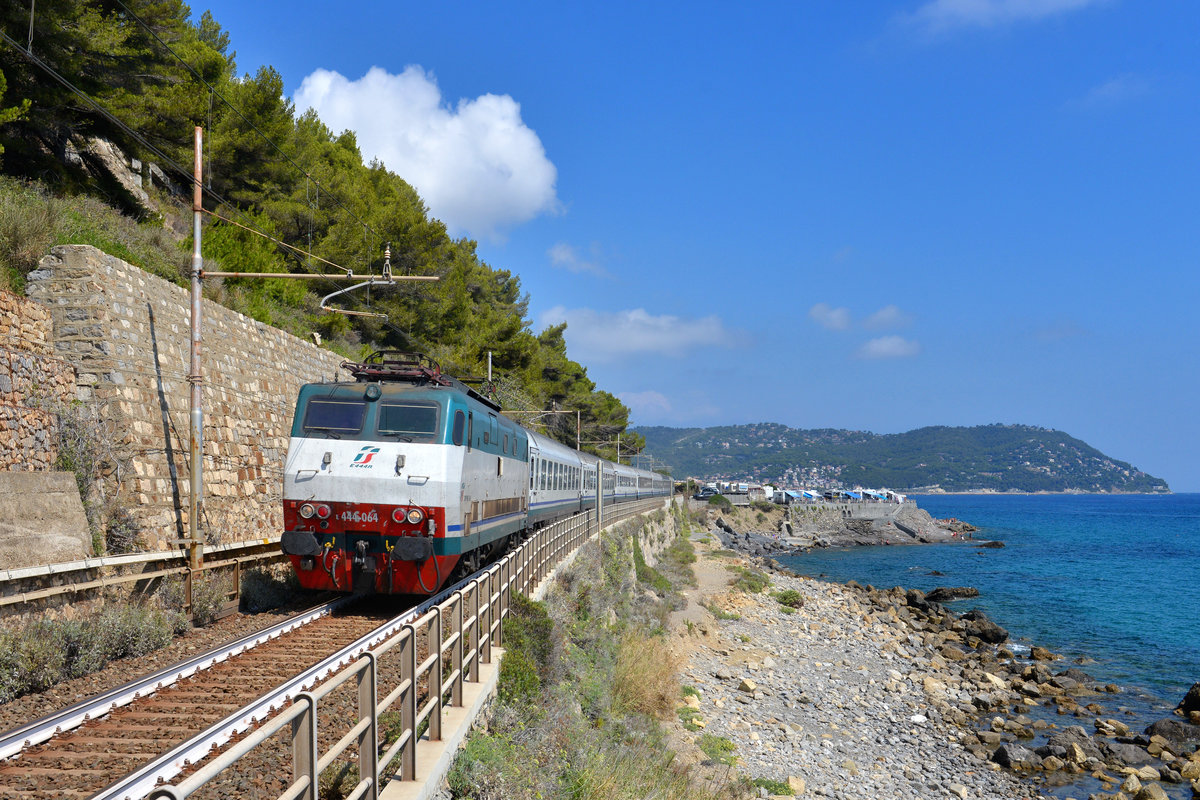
{"x":870,"y":215}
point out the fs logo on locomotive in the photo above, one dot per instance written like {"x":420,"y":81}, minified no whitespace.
{"x":363,"y":459}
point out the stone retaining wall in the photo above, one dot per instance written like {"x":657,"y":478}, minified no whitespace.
{"x":32,"y":382}
{"x":127,"y":333}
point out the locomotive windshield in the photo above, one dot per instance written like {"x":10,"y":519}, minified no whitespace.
{"x":408,"y":421}
{"x":334,"y":417}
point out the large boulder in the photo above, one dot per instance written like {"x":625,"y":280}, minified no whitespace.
{"x":1127,"y":754}
{"x":1174,"y":730}
{"x":1075,"y":735}
{"x":980,"y":626}
{"x":1190,"y":701}
{"x":916,"y":599}
{"x":1014,"y":756}
{"x":944,"y":594}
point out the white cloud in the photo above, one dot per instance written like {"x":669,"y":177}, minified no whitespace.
{"x":1114,"y":92}
{"x":567,"y":257}
{"x":610,"y":336}
{"x":829,"y":318}
{"x":889,"y":347}
{"x":889,"y":316}
{"x":654,"y":408}
{"x":940,"y":16}
{"x":646,"y":405}
{"x":479,"y":168}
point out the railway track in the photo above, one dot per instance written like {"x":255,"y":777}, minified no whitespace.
{"x":122,"y":743}
{"x":255,"y":702}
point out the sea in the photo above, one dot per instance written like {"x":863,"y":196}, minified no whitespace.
{"x":1112,"y":581}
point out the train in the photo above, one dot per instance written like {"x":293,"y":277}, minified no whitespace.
{"x":405,"y":476}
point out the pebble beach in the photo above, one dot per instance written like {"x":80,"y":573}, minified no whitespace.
{"x":860,"y":693}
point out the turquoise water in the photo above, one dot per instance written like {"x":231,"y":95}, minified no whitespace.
{"x":1111,"y":578}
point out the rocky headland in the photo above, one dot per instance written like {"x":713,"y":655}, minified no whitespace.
{"x":846,"y":691}
{"x":787,"y":530}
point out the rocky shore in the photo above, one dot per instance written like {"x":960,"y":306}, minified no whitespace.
{"x":845,"y":691}
{"x":837,"y":526}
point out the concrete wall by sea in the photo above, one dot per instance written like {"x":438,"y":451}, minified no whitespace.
{"x":127,"y":335}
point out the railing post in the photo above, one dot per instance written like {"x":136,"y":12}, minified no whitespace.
{"x":473,"y":664}
{"x":505,"y":572}
{"x":368,"y":740}
{"x":435,"y":677}
{"x":408,"y":706}
{"x":456,"y":693}
{"x":304,"y":745}
{"x":523,"y":586}
{"x":490,"y":578}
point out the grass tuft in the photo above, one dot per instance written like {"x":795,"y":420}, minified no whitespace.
{"x":718,"y":748}
{"x":646,"y":676}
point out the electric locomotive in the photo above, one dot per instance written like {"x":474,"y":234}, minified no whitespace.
{"x":394,"y":479}
{"x":397,"y":479}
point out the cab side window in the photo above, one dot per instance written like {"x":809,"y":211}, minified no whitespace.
{"x":460,"y":423}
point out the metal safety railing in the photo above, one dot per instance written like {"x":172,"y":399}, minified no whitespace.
{"x":456,"y":631}
{"x":94,"y":575}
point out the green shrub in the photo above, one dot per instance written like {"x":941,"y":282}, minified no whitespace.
{"x":84,"y":650}
{"x":750,"y":581}
{"x":647,"y":574}
{"x":11,"y":684}
{"x":774,"y":787}
{"x":718,"y":748}
{"x":687,"y":716}
{"x":528,"y":642}
{"x":480,"y":760}
{"x":789,"y":597}
{"x":720,"y":501}
{"x":519,"y":679}
{"x":208,"y":598}
{"x":43,"y":653}
{"x":41,"y":658}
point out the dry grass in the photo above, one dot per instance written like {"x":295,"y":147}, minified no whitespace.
{"x":646,"y":677}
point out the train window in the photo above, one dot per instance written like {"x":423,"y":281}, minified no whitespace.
{"x":505,"y":443}
{"x":408,"y":421}
{"x":470,"y":430}
{"x":334,"y":417}
{"x":460,"y":421}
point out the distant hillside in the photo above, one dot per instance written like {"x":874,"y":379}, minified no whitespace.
{"x":987,"y":457}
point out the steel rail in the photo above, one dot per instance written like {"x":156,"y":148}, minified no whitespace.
{"x":139,"y":784}
{"x":533,"y":567}
{"x":16,"y":740}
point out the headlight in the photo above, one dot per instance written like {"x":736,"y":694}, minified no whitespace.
{"x":307,"y":510}
{"x":398,"y":515}
{"x":323,"y":511}
{"x":415,"y":516}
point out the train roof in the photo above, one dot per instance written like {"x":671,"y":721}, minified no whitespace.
{"x":413,"y":369}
